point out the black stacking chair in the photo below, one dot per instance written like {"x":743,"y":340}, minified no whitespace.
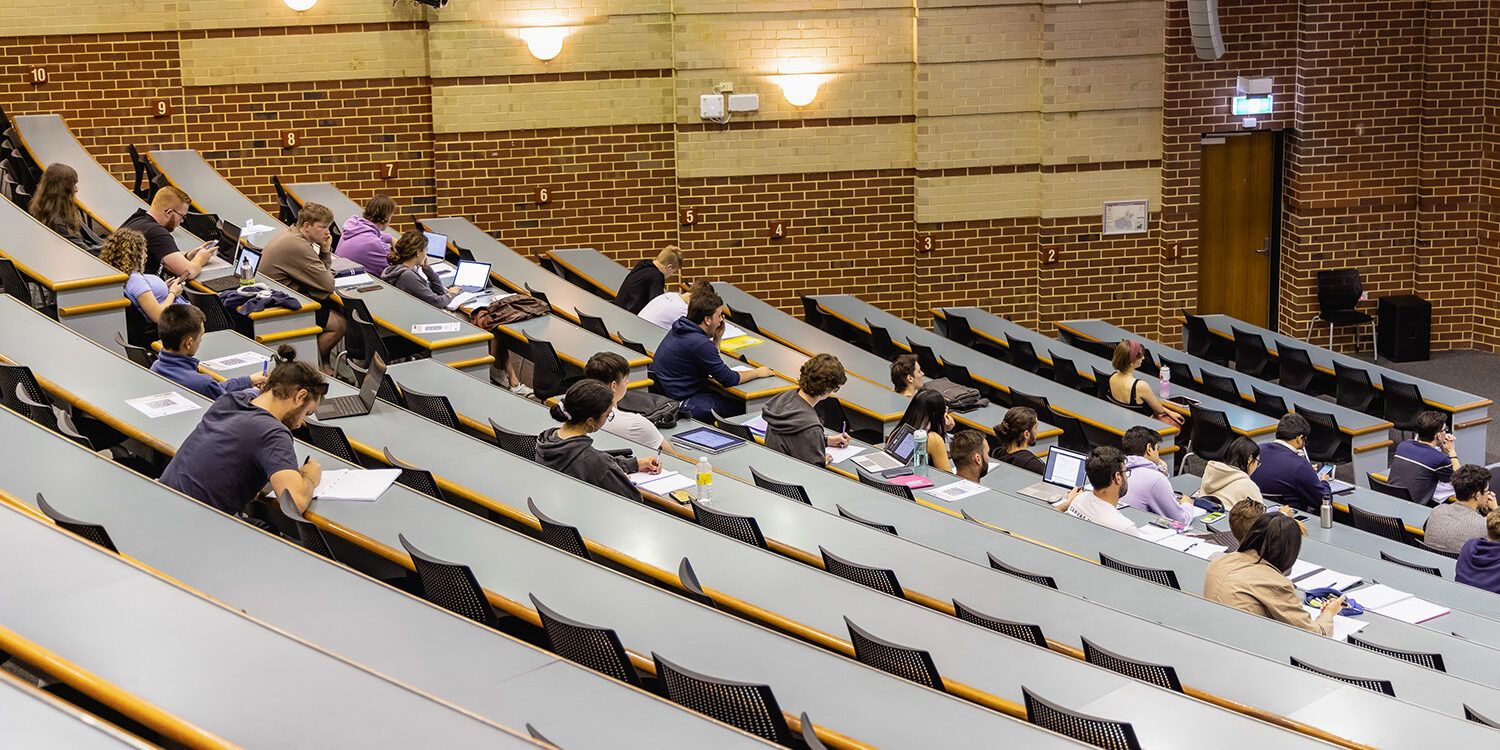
{"x":420,"y":480}
{"x":793,"y":491}
{"x":1074,"y":436}
{"x":371,"y":342}
{"x":1037,"y":404}
{"x":632,"y":345}
{"x":435,"y":408}
{"x":1390,"y":527}
{"x":1386,"y":488}
{"x":1181,"y":373}
{"x":1353,"y":388}
{"x":742,"y":528}
{"x":215,"y":317}
{"x":744,"y":320}
{"x":1101,"y":384}
{"x":956,"y":328}
{"x":594,"y":647}
{"x":1379,"y":686}
{"x":809,"y":734}
{"x":738,"y":430}
{"x":1435,"y":550}
{"x":1297,"y":371}
{"x":958,"y":373}
{"x":558,"y":534}
{"x":1103,"y":733}
{"x":549,"y":378}
{"x":1036,"y":578}
{"x":41,"y":412}
{"x":1429,"y":570}
{"x":137,"y":354}
{"x":1269,"y":404}
{"x":537,"y":294}
{"x":881,"y":343}
{"x":1156,"y":674}
{"x":691,"y":588}
{"x":812,"y":314}
{"x":887,"y":528}
{"x":910,"y":663}
{"x":1159,"y":576}
{"x":1221,"y":387}
{"x":92,"y":532}
{"x":13,"y":376}
{"x":890,"y":488}
{"x":1338,"y":292}
{"x":1019,"y":630}
{"x":1211,"y":433}
{"x":1022,"y":354}
{"x":926,"y":358}
{"x":1065,"y":373}
{"x":308,"y":534}
{"x":1103,"y":349}
{"x":1403,"y":402}
{"x":330,"y":439}
{"x":880,"y":579}
{"x":451,"y":586}
{"x":1327,"y":443}
{"x":1479,"y":718}
{"x":748,"y":706}
{"x":14,"y":284}
{"x":1251,"y":355}
{"x":517,"y":443}
{"x":592,"y":323}
{"x":1201,"y":342}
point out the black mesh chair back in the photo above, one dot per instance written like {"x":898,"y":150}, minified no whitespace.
{"x":1022,"y":354}
{"x":13,"y":283}
{"x":92,"y":532}
{"x":139,"y":330}
{"x":592,"y":323}
{"x":880,"y":579}
{"x":1269,"y":404}
{"x":549,"y":379}
{"x":1429,"y":570}
{"x":956,"y":328}
{"x":1352,"y":387}
{"x":1197,"y":339}
{"x":1479,"y":718}
{"x":744,"y":320}
{"x":539,"y":295}
{"x":691,"y":588}
{"x":812,"y":314}
{"x":451,"y":586}
{"x":793,"y":491}
{"x":1037,"y":578}
{"x":887,"y":528}
{"x":433,"y":407}
{"x":40,"y":412}
{"x":738,"y":430}
{"x":1326,"y":443}
{"x":331,"y":439}
{"x":1181,"y":373}
{"x":1221,"y":387}
{"x":308,"y":534}
{"x":1074,"y":436}
{"x":809,"y":734}
{"x":1403,"y":402}
{"x":1101,"y":384}
{"x":420,"y":480}
{"x":1297,"y":371}
{"x":215,"y":317}
{"x":1018,"y":630}
{"x":636,"y":347}
{"x":1148,"y":361}
{"x":1379,"y":686}
{"x":1160,"y":576}
{"x":1435,"y":550}
{"x":1037,"y":404}
{"x":957,"y":373}
{"x":1065,"y":373}
{"x":1160,"y":675}
{"x":1431,"y":661}
{"x":927,"y":358}
{"x":1386,"y":488}
{"x":1390,"y":527}
{"x":594,"y":647}
{"x":881,"y":344}
{"x":1224,"y":539}
{"x":1103,"y":733}
{"x":742,"y":528}
{"x":749,"y":706}
{"x":558,"y":534}
{"x":517,"y":443}
{"x":890,"y":488}
{"x":369,"y":336}
{"x":13,"y":376}
{"x":1251,"y":355}
{"x":286,"y":207}
{"x":910,"y":663}
{"x":1211,"y":433}
{"x":1103,"y":349}
{"x":137,"y":354}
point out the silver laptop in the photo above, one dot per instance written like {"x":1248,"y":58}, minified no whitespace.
{"x":472,"y":276}
{"x":896,"y":454}
{"x":1064,"y":472}
{"x":355,"y":406}
{"x":247,"y":264}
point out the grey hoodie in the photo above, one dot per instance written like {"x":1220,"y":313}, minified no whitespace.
{"x":577,"y":457}
{"x":421,"y":282}
{"x":793,"y":428}
{"x":1228,"y":484}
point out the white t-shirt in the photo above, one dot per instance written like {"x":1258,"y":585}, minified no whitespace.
{"x":665,"y":309}
{"x":633,"y":427}
{"x":1090,"y":508}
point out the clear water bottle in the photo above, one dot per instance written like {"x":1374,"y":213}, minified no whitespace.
{"x":919,"y":452}
{"x":1325,"y":513}
{"x":705,"y":480}
{"x":1166,"y":382}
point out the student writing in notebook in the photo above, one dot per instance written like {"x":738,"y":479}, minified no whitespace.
{"x":792,"y":423}
{"x":583,"y":410}
{"x":1254,"y":578}
{"x":612,"y":370}
{"x":181,"y":331}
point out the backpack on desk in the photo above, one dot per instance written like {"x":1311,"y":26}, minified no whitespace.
{"x":659,"y":409}
{"x":959,"y":398}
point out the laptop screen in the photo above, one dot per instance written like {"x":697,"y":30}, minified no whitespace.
{"x":1065,"y":468}
{"x":371,"y":385}
{"x":901,"y":444}
{"x":249,"y":258}
{"x":471,"y":275}
{"x":437,"y":246}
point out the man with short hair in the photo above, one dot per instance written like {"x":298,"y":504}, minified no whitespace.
{"x":1425,"y":464}
{"x":168,"y":208}
{"x":1105,"y":469}
{"x":1284,"y":469}
{"x":667,"y":307}
{"x":301,"y":258}
{"x":181,"y":332}
{"x":970,"y":454}
{"x":612,"y":370}
{"x":688,"y":358}
{"x":648,"y":280}
{"x":1453,"y":523}
{"x":793,"y":426}
{"x":1150,"y":488}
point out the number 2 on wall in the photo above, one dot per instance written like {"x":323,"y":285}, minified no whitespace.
{"x":1050,"y":256}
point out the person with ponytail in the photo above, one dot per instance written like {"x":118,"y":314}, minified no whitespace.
{"x":1016,"y":433}
{"x":1129,"y":391}
{"x":244,"y":440}
{"x":584,"y":409}
{"x":409,"y":272}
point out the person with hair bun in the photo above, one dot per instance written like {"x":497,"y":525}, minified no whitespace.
{"x":245,"y":440}
{"x":363,"y":239}
{"x":1129,"y":391}
{"x":409,"y":272}
{"x":569,"y":449}
{"x":1016,"y":433}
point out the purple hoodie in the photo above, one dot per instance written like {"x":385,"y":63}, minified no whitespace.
{"x":1150,"y":490}
{"x":364,"y":243}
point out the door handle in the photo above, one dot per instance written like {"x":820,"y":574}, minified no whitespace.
{"x":1265,"y":249}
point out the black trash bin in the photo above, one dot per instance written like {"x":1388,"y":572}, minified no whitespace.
{"x":1404,"y":330}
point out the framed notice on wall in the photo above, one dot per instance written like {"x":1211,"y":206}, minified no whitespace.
{"x":1125,"y":217}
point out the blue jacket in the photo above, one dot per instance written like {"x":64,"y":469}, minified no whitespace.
{"x":183,"y":370}
{"x":1479,"y":564}
{"x":686,"y":359}
{"x":1284,"y":472}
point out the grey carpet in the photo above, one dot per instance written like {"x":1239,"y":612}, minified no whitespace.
{"x":1465,"y":369}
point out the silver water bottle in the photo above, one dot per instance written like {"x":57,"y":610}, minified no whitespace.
{"x":1325,"y":513}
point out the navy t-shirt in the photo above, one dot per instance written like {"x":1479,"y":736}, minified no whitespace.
{"x":159,"y":242}
{"x":231,"y":454}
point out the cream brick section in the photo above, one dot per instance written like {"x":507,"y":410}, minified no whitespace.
{"x":241,"y":14}
{"x":688,"y":7}
{"x":980,"y":140}
{"x":980,"y":33}
{"x":615,"y":43}
{"x":1102,"y":83}
{"x":771,"y":43}
{"x":318,"y":57}
{"x":1084,"y":193}
{"x":720,"y":153}
{"x":1105,"y":29}
{"x":990,"y":196}
{"x":871,"y":91}
{"x":980,"y":88}
{"x":564,"y":104}
{"x":514,"y":13}
{"x":25,"y":18}
{"x":1105,"y":135}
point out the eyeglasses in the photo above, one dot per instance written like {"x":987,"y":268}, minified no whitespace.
{"x":180,"y":214}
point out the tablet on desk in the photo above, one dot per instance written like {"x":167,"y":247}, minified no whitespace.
{"x":708,"y":439}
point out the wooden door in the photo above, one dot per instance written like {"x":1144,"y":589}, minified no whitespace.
{"x":1237,"y":232}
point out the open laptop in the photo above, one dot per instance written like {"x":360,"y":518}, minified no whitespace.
{"x":437,"y":254}
{"x":895,"y":455}
{"x":246,"y":259}
{"x":472,"y":276}
{"x":355,"y":406}
{"x":1064,"y":472}
{"x":229,"y":239}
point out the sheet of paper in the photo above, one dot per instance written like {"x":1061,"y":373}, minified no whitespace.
{"x":361,"y":485}
{"x":1155,"y":533}
{"x":234,"y":361}
{"x":1303,"y":568}
{"x":162,"y":404}
{"x":739,"y":342}
{"x":1194,"y":512}
{"x":461,"y":299}
{"x":994,"y":465}
{"x":732,"y":331}
{"x":664,"y":485}
{"x":640,"y":477}
{"x":1328,"y":579}
{"x":358,"y":279}
{"x":1205,"y":550}
{"x":757,"y":425}
{"x":1413,"y":610}
{"x":837,"y":455}
{"x":742,"y":368}
{"x":252,"y":228}
{"x":956,"y":491}
{"x":435,"y":327}
{"x":1378,"y":595}
{"x":1179,"y":542}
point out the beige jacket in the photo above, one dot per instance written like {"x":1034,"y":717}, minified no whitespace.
{"x":1228,"y":484}
{"x":1242,"y":581}
{"x":295,"y":263}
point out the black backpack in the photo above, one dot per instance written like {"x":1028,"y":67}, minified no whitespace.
{"x":660,"y":410}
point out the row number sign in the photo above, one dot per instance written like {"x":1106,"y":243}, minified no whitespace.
{"x":161,"y":108}
{"x":37,"y":76}
{"x":290,"y":139}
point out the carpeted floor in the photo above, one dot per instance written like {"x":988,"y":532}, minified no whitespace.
{"x":1467,"y":370}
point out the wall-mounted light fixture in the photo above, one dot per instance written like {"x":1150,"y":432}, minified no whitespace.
{"x":800,"y":90}
{"x":300,"y":5}
{"x":544,"y":42}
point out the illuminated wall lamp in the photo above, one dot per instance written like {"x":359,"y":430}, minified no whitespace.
{"x":300,"y":5}
{"x":544,"y":43}
{"x":800,"y":90}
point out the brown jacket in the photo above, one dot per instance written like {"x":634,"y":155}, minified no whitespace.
{"x":294,"y":262}
{"x":1242,"y":581}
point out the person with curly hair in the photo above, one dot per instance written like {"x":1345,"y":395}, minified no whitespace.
{"x":792,"y":423}
{"x":407,"y":270}
{"x":125,"y":250}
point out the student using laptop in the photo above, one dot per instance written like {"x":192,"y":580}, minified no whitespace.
{"x":1425,"y":464}
{"x":1284,"y":469}
{"x":1016,"y":433}
{"x":1253,"y":578}
{"x":669,"y":306}
{"x":585,"y":409}
{"x":364,"y":240}
{"x":1106,"y":472}
{"x":793,"y":426}
{"x":181,"y":331}
{"x":125,"y":250}
{"x":612,"y":370}
{"x":245,"y":440}
{"x":246,"y":263}
{"x":648,"y":279}
{"x":1150,"y":488}
{"x":408,"y":271}
{"x":688,"y":359}
{"x":928,"y":411}
{"x":970,"y":454}
{"x":907,"y":375}
{"x":358,"y":405}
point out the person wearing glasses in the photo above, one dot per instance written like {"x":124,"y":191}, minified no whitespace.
{"x":1453,"y":523}
{"x":168,"y":208}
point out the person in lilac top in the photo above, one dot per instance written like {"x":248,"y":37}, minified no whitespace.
{"x":364,"y":240}
{"x":1147,"y":476}
{"x":125,"y":250}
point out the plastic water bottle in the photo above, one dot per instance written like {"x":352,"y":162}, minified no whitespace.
{"x":705,"y":480}
{"x":1325,"y":513}
{"x":919,"y":452}
{"x":1166,"y":382}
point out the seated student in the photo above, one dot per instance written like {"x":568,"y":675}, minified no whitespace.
{"x":1229,"y":480}
{"x":1245,"y":512}
{"x":409,"y":272}
{"x":792,"y":424}
{"x":907,"y":375}
{"x":584,"y":409}
{"x":1105,"y":469}
{"x":301,"y":258}
{"x":1131,"y":392}
{"x":364,"y":240}
{"x":1454,"y":523}
{"x":245,"y":440}
{"x":55,"y":204}
{"x":1479,"y":559}
{"x":125,"y":250}
{"x":1425,"y":464}
{"x":928,"y":411}
{"x":612,"y":370}
{"x":667,"y":307}
{"x":1253,"y":578}
{"x":181,"y":332}
{"x":168,"y":208}
{"x":970,"y":455}
{"x":1150,"y":488}
{"x":688,"y":358}
{"x":1284,"y":471}
{"x":1015,"y":434}
{"x":648,"y":280}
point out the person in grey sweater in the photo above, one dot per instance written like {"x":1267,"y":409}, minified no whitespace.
{"x":569,"y":449}
{"x":1461,"y":519}
{"x":409,"y":272}
{"x":792,"y":424}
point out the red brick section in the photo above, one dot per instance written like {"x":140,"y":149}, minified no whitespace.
{"x":992,"y":264}
{"x":1116,"y":278}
